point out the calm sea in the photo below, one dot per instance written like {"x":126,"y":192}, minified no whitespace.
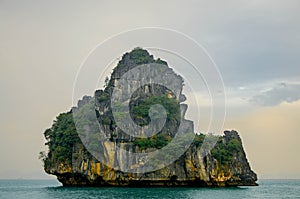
{"x":39,"y":189}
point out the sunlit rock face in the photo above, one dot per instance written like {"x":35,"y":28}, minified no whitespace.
{"x":68,"y":158}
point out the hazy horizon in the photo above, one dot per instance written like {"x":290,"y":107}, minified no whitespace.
{"x":255,"y":45}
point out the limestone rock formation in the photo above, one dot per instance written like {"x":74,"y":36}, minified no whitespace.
{"x":72,"y":159}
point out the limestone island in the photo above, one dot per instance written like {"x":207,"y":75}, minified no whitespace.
{"x":69,"y":155}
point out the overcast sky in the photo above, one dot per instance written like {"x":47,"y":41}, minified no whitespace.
{"x":255,"y":44}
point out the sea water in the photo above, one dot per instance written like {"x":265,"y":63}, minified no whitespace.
{"x":39,"y":189}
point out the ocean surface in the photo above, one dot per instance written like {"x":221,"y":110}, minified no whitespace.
{"x":39,"y":189}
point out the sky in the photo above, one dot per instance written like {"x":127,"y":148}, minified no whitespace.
{"x":255,"y":45}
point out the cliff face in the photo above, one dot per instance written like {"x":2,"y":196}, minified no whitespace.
{"x":189,"y":170}
{"x":74,"y":162}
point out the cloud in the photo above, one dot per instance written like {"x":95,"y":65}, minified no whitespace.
{"x":252,"y":46}
{"x":283,"y":92}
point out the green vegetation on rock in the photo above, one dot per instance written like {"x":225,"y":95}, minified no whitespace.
{"x":60,"y":138}
{"x":141,"y":109}
{"x":156,"y":141}
{"x":225,"y":152}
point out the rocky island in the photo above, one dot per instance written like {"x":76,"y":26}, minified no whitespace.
{"x":109,"y":156}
